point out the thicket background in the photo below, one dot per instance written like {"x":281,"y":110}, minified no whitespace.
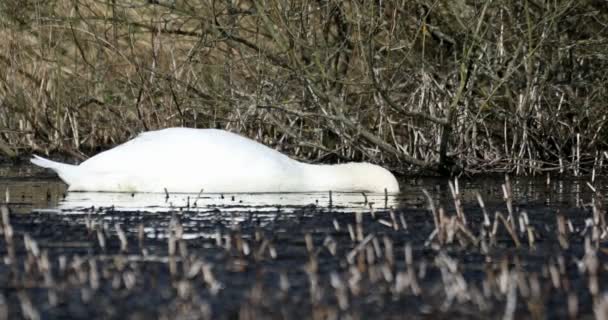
{"x":512,"y":85}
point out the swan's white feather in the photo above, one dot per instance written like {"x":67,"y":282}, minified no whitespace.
{"x":190,"y":160}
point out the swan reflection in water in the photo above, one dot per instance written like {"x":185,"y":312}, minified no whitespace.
{"x":155,"y":202}
{"x":205,"y":211}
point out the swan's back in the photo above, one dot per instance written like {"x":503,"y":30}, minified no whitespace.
{"x":183,"y":159}
{"x":175,"y":146}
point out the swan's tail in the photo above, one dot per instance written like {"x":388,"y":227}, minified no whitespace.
{"x":67,"y":172}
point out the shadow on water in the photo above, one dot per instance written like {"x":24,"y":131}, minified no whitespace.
{"x":286,"y":256}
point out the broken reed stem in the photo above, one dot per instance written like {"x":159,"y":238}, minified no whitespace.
{"x":394,"y":223}
{"x":7,"y":229}
{"x":508,"y":197}
{"x":599,"y":216}
{"x":454,"y":189}
{"x":101,"y":238}
{"x":465,"y":230}
{"x":562,"y":231}
{"x":432,"y":208}
{"x":359,"y":225}
{"x":486,"y":217}
{"x":122,"y":237}
{"x":353,"y":253}
{"x":385,"y":199}
{"x":509,"y":228}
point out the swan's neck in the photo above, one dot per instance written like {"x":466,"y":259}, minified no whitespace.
{"x":337,"y":177}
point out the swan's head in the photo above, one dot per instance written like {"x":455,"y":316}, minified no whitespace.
{"x":373,"y":178}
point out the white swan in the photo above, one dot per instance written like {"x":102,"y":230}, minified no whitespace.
{"x":191,"y":160}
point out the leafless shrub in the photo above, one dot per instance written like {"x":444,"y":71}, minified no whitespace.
{"x":480,"y":85}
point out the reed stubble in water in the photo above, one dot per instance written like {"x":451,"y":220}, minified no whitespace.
{"x":449,"y":257}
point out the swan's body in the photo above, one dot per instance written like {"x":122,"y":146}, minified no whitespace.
{"x":191,"y":160}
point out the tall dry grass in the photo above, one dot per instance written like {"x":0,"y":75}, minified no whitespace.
{"x":480,"y":85}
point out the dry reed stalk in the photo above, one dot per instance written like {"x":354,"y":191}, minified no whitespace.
{"x":508,"y":226}
{"x":454,"y":189}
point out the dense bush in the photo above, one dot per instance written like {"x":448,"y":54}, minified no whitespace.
{"x":484,"y":85}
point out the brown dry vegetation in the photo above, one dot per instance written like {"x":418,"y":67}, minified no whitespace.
{"x":484,"y":85}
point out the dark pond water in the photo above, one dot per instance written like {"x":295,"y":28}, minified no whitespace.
{"x":304,"y":256}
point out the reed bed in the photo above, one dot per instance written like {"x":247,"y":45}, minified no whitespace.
{"x":457,"y":259}
{"x":461,"y":85}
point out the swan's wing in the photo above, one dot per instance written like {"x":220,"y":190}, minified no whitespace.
{"x":180,"y":151}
